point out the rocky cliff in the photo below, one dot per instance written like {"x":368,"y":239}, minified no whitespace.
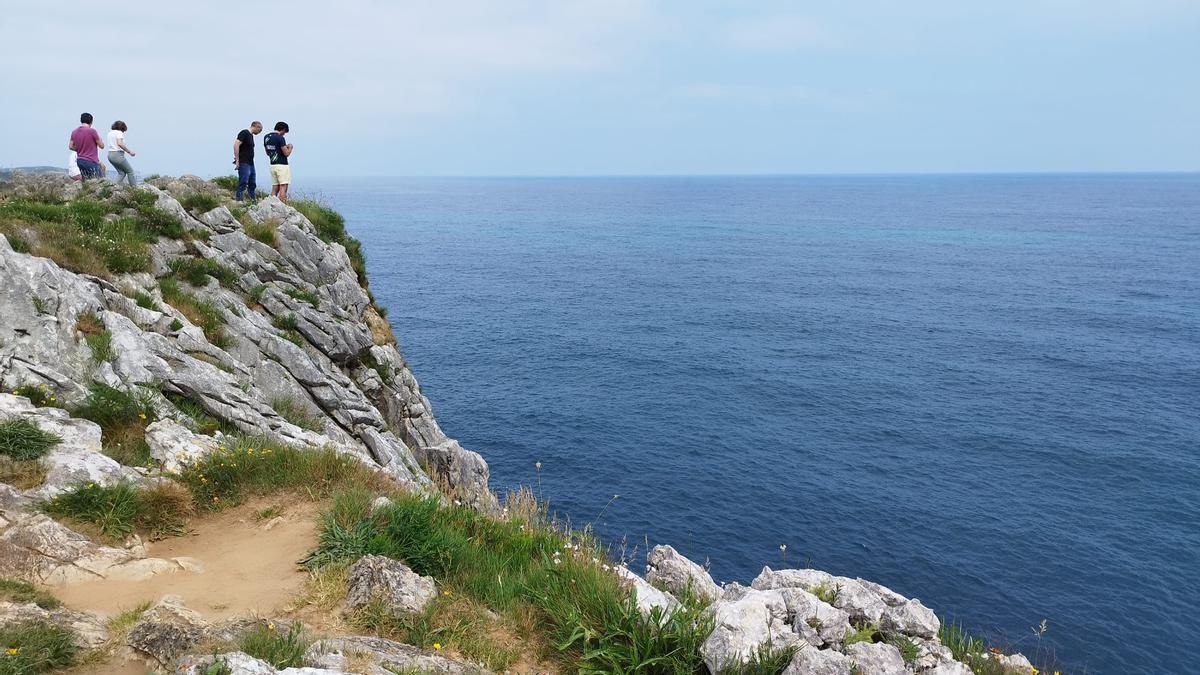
{"x":213,"y":326}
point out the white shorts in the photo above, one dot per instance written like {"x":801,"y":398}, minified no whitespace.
{"x":281,"y":174}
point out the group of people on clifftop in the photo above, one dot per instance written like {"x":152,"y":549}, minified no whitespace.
{"x":85,"y":145}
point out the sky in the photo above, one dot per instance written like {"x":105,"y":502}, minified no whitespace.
{"x":614,"y":87}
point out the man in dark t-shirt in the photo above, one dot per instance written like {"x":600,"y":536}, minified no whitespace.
{"x":278,"y":151}
{"x":243,"y":160}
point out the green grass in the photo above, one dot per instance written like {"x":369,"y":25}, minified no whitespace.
{"x":765,"y":661}
{"x":257,"y":466}
{"x":331,"y":227}
{"x":304,"y":296}
{"x":510,"y":566}
{"x":15,"y":590}
{"x":123,"y":415}
{"x":89,"y":235}
{"x":202,"y":313}
{"x":34,"y":647}
{"x":863,"y":633}
{"x":145,"y":300}
{"x":256,"y":293}
{"x":295,"y":413}
{"x":264,"y":232}
{"x":23,"y":440}
{"x":199,"y":202}
{"x":281,"y":649}
{"x":196,"y":271}
{"x":117,"y":511}
{"x":101,"y":345}
{"x":909,"y":650}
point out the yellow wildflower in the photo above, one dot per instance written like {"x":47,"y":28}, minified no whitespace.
{"x":11,"y":651}
{"x":446,"y":593}
{"x":1033,"y":671}
{"x":270,"y":626}
{"x":437,"y":646}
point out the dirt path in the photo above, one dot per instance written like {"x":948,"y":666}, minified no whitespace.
{"x":244,"y":569}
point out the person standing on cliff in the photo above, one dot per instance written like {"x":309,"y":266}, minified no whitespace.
{"x":85,"y":141}
{"x":243,"y":160}
{"x":117,"y":151}
{"x":278,"y":151}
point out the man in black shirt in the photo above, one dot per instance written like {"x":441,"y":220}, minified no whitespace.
{"x":243,"y":159}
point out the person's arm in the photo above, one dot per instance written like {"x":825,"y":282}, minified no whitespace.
{"x":286,"y":150}
{"x":99,"y":141}
{"x":121,"y":145}
{"x":237,"y":148}
{"x":71,"y":144}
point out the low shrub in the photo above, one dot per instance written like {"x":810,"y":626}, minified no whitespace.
{"x":35,"y":647}
{"x":22,"y":475}
{"x":281,"y":649}
{"x":15,"y":590}
{"x":23,"y":440}
{"x":145,"y":300}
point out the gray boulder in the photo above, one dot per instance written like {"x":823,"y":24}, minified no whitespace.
{"x":390,"y":582}
{"x":167,"y":630}
{"x":647,"y":597}
{"x":36,"y":548}
{"x":860,"y":602}
{"x":818,"y":622}
{"x":911,"y":618}
{"x":174,"y":446}
{"x":956,"y":668}
{"x":877,"y":658}
{"x":813,"y":661}
{"x":666,"y":568}
{"x":746,"y":626}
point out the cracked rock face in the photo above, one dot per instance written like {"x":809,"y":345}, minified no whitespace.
{"x":357,"y":392}
{"x":167,"y":630}
{"x":88,"y":631}
{"x":757,"y":620}
{"x":384,"y":657}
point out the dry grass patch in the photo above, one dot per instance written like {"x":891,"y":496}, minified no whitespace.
{"x":22,"y":475}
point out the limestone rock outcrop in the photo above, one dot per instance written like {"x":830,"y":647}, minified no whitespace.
{"x":390,"y":582}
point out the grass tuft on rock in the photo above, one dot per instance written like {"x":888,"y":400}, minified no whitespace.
{"x":225,"y":182}
{"x":199,"y":202}
{"x":34,"y":647}
{"x":281,"y":649}
{"x":16,"y":590}
{"x":203,"y":314}
{"x":304,"y":296}
{"x":23,"y":440}
{"x":196,"y":271}
{"x":292,"y":411}
{"x":265,"y":232}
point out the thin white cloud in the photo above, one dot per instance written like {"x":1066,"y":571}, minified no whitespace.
{"x":788,"y":32}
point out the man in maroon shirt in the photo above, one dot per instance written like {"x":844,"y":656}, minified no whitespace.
{"x":86,"y":143}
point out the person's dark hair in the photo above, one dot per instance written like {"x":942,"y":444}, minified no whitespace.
{"x":256,"y":123}
{"x":282,"y":126}
{"x":119,"y":126}
{"x":85,"y":118}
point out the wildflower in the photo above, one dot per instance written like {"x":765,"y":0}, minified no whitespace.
{"x":783,"y":548}
{"x":446,"y":593}
{"x":216,"y":499}
{"x":437,"y":646}
{"x":270,"y":626}
{"x":11,"y":651}
{"x":1033,"y":671}
{"x":142,"y":415}
{"x":537,"y":465}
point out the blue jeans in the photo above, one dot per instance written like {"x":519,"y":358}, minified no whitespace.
{"x":246,"y":180}
{"x":88,"y":168}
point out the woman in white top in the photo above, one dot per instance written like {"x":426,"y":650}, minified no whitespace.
{"x":117,"y":151}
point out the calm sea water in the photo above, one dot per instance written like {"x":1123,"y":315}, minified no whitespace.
{"x":981,"y":391}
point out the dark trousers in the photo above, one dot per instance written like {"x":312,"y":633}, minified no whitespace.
{"x":88,"y":168}
{"x":246,"y":181}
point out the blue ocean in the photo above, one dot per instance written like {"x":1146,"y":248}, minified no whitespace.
{"x":983,"y":391}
